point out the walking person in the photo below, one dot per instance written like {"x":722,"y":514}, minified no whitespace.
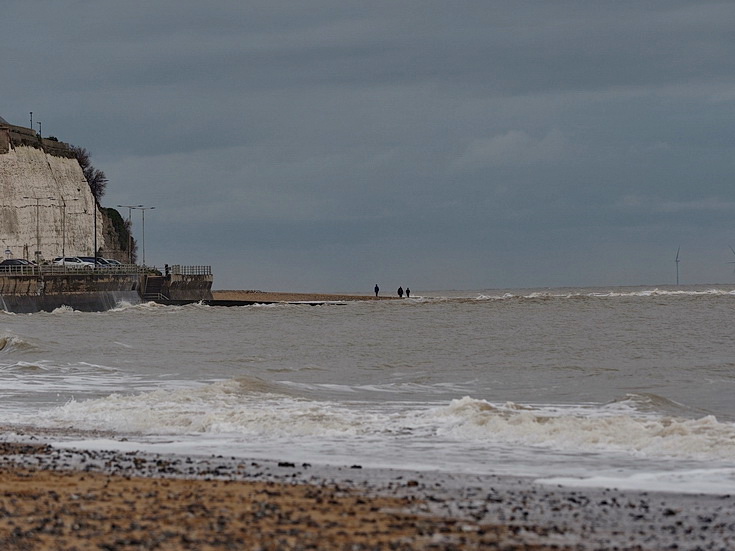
{"x":377,"y":289}
{"x":400,"y":292}
{"x":408,"y":292}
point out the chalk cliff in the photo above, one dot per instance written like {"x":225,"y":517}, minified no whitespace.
{"x":46,"y":206}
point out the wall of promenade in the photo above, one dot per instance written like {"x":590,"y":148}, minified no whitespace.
{"x":26,"y":289}
{"x":81,"y":291}
{"x":188,"y":287}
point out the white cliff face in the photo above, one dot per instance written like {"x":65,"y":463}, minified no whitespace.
{"x":45,"y":205}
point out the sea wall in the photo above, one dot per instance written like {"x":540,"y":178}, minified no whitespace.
{"x":33,"y":290}
{"x":45,"y":202}
{"x":188,"y":287}
{"x":86,"y":292}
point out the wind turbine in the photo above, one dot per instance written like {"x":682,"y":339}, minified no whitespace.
{"x":677,"y":264}
{"x":732,"y":261}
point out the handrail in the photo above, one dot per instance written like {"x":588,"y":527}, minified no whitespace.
{"x":43,"y":269}
{"x":155,"y":296}
{"x":178,"y":269}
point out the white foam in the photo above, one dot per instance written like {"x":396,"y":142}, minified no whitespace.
{"x":253,"y":410}
{"x":217,"y":408}
{"x":719,"y":481}
{"x":589,"y":429}
{"x":559,"y":294}
{"x":123,"y":305}
{"x":590,"y":445}
{"x":63,"y":309}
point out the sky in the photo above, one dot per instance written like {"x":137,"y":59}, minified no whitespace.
{"x":327,"y":146}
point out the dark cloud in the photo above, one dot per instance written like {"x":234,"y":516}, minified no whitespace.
{"x":325,"y":145}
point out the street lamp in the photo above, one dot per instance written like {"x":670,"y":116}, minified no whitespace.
{"x":94,"y":214}
{"x":63,"y":224}
{"x":130,"y":229}
{"x":38,"y":226}
{"x":143,"y":209}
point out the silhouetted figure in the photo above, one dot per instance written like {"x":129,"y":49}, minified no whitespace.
{"x":400,"y":292}
{"x":408,"y":292}
{"x":377,"y":289}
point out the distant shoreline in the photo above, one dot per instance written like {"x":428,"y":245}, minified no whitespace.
{"x":269,"y":296}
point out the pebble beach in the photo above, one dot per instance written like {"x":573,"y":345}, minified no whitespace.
{"x":57,"y":498}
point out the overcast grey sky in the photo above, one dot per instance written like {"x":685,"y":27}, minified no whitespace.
{"x":329,"y":145}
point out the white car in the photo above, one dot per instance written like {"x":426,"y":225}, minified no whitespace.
{"x":72,"y":261}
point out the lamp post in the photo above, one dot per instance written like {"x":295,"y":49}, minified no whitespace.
{"x":94,"y":213}
{"x":143,"y":209}
{"x":63,"y":224}
{"x":130,"y":229}
{"x":63,"y":228}
{"x":38,"y":225}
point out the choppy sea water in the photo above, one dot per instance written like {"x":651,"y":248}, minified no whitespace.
{"x":622,"y":387}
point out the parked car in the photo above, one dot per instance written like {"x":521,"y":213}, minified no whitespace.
{"x":113,"y":262}
{"x":101,"y":262}
{"x":73,"y":261}
{"x":14,"y":264}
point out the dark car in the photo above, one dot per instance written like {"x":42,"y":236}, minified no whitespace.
{"x":14,"y":264}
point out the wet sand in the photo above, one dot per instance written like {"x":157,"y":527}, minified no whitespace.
{"x":265,"y":296}
{"x":55,"y":498}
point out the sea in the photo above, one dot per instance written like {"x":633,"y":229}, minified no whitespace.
{"x":624,"y":387}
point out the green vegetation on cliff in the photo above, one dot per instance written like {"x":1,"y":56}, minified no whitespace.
{"x":96,"y":179}
{"x":121,"y":231}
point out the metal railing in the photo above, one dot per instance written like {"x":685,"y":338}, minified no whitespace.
{"x":155,"y":296}
{"x":178,"y":269}
{"x":44,"y":269}
{"x":121,"y":269}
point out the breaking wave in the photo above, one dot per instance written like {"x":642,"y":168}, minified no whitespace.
{"x":262,"y":412}
{"x":150,"y":306}
{"x":556,"y":294}
{"x":596,"y":430}
{"x":13,"y":343}
{"x":64,"y":309}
